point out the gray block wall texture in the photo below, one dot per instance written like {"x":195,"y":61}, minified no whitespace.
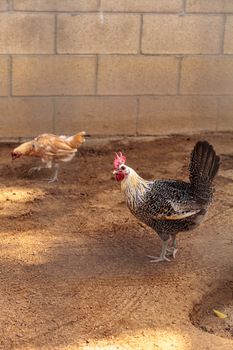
{"x":115,"y":67}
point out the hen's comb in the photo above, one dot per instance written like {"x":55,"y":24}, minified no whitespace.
{"x":119,"y":159}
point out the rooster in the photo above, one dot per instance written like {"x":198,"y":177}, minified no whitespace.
{"x":170,"y":206}
{"x":51,"y":149}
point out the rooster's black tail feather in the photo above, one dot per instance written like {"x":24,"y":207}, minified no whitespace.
{"x":204,"y":165}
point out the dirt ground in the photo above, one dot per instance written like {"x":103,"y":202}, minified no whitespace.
{"x":74,"y":271}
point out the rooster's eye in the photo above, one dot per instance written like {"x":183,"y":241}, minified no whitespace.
{"x":122,"y":167}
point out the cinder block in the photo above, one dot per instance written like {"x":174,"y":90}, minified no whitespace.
{"x":228,"y":40}
{"x":3,"y":5}
{"x":26,"y":33}
{"x":210,"y":75}
{"x":130,"y":75}
{"x":25,"y":117}
{"x":4,"y":76}
{"x":142,"y":5}
{"x":191,"y":34}
{"x":56,"y":5}
{"x":212,"y":6}
{"x":225,"y":114}
{"x":96,"y":115}
{"x":53,"y":75}
{"x":90,"y":33}
{"x":176,"y":114}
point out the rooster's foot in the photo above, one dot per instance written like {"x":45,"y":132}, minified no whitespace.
{"x":156,"y":259}
{"x":172,"y":252}
{"x":162,"y":256}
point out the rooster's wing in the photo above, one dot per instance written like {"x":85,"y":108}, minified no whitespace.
{"x":171,"y":200}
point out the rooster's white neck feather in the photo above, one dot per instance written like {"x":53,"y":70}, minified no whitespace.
{"x":134,"y":187}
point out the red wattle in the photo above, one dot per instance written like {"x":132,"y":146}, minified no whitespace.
{"x":119,"y":176}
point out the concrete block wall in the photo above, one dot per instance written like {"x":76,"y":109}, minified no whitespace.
{"x":115,"y":67}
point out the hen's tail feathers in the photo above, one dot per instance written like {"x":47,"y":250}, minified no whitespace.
{"x":75,"y":141}
{"x":204,"y":165}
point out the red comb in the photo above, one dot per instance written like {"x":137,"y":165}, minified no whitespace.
{"x":119,"y":159}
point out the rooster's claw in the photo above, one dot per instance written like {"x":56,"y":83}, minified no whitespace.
{"x":156,"y":259}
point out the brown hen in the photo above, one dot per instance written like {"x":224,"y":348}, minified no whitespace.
{"x":51,"y":149}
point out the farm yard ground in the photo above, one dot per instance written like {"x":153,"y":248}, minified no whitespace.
{"x":74,"y":272}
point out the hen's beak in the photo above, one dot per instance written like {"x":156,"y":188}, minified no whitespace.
{"x":15,"y":155}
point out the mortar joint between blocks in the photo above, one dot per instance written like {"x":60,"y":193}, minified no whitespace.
{"x":54,"y":115}
{"x":96,"y":74}
{"x":140,"y":34}
{"x":184,"y":6}
{"x":10,"y":5}
{"x":55,"y":33}
{"x":222,"y":39}
{"x":10,"y":65}
{"x":137,"y":115}
{"x":180,"y":59}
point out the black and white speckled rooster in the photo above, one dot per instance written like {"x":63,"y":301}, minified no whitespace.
{"x":170,"y":206}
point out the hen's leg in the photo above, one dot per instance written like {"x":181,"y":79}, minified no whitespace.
{"x":33,"y":169}
{"x":162,"y":256}
{"x":172,"y":250}
{"x":55,"y":178}
{"x":38,"y":168}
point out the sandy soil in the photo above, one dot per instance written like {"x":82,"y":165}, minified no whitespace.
{"x":203,"y":316}
{"x":74,"y":272}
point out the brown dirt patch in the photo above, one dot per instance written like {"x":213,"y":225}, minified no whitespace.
{"x":220,"y":299}
{"x":73,"y":267}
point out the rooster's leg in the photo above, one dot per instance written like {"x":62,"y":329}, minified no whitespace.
{"x":172,"y":250}
{"x":54,"y":178}
{"x":162,"y":256}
